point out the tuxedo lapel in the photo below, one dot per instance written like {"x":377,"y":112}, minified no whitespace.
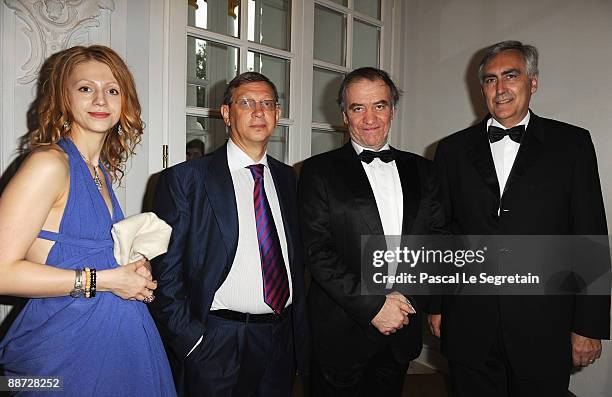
{"x":411,"y":189}
{"x":529,"y":151}
{"x":282,"y":185}
{"x":354,"y":176}
{"x":220,"y":190}
{"x":482,"y":159}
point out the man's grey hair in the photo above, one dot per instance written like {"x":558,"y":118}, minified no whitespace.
{"x":529,"y":53}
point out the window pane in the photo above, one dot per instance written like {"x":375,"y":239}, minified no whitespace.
{"x":270,"y":22}
{"x":368,"y":7}
{"x":325,"y":87}
{"x":277,"y":70}
{"x":341,"y":2}
{"x":210,"y":66}
{"x":277,"y":146}
{"x":324,"y":141}
{"x":365,"y":44}
{"x":329,"y":36}
{"x":209,"y":130}
{"x":219,"y":16}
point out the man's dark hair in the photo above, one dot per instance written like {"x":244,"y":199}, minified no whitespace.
{"x":528,"y":52}
{"x":246,"y":78}
{"x":367,"y":73}
{"x":195,"y":144}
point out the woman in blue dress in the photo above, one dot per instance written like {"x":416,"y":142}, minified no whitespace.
{"x":86,"y":321}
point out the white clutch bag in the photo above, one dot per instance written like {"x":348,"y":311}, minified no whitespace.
{"x":140,"y":236}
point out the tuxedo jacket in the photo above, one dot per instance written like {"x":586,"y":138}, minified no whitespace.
{"x":337,"y":207}
{"x":553,"y":189}
{"x":197,"y":199}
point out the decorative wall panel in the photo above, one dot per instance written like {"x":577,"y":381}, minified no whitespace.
{"x":53,"y":25}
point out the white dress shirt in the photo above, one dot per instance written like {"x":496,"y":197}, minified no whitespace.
{"x":242,"y":290}
{"x":387,"y":188}
{"x":385,"y":183}
{"x":504,"y":152}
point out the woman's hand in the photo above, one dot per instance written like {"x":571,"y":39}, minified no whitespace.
{"x":132,"y":281}
{"x":145,"y":271}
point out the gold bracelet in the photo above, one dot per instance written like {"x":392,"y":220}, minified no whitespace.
{"x":87,"y":283}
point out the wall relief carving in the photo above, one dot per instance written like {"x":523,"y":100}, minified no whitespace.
{"x":54,"y":25}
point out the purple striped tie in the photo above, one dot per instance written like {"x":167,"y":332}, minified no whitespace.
{"x":274,"y":273}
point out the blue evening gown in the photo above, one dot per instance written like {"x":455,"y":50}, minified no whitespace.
{"x":103,"y":346}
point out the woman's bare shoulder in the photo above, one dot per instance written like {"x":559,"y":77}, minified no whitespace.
{"x":46,"y":165}
{"x":48,"y":161}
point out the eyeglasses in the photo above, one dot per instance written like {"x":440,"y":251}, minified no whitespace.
{"x":267,"y":105}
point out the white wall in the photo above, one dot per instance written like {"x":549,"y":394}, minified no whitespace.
{"x":439,"y":41}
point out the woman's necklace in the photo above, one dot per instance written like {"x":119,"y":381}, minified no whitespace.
{"x":96,"y":178}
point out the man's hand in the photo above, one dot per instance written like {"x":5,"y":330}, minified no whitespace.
{"x":397,"y":295}
{"x":434,"y":321}
{"x":585,"y":350}
{"x":393,"y":315}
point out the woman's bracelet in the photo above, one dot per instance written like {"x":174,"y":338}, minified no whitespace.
{"x":78,"y":290}
{"x":87,"y":282}
{"x":92,"y":283}
{"x":84,"y":283}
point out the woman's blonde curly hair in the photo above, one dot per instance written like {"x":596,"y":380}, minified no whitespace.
{"x":54,"y":113}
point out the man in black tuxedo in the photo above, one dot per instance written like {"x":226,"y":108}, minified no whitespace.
{"x":515,"y":173}
{"x":230,"y":298}
{"x":362,"y":345}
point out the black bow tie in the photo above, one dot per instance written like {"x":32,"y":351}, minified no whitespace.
{"x":368,"y":156}
{"x":515,"y":133}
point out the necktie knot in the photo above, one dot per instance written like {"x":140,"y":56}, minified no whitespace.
{"x":257,"y":171}
{"x":515,"y":133}
{"x":367,"y":156}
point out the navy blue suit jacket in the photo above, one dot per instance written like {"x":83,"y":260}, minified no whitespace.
{"x":197,"y":199}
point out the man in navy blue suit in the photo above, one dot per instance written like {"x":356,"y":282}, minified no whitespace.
{"x":230,"y":296}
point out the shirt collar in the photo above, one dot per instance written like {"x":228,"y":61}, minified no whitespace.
{"x":238,"y":159}
{"x":495,"y":123}
{"x":358,"y":148}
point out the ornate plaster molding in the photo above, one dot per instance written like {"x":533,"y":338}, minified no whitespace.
{"x":54,"y":25}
